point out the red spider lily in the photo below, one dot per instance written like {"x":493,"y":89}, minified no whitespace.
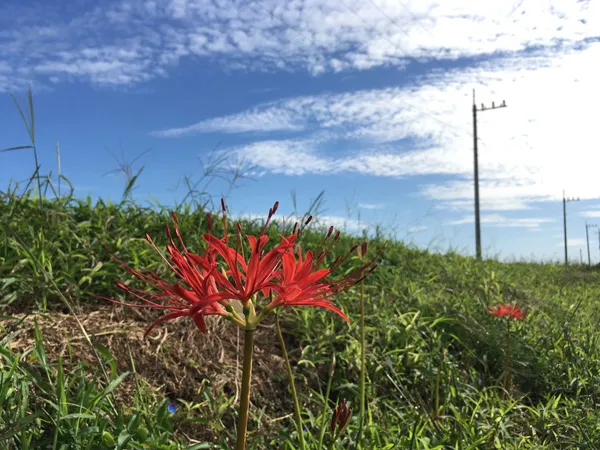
{"x":242,"y":280}
{"x":201,"y":299}
{"x":508,"y":311}
{"x":301,"y":281}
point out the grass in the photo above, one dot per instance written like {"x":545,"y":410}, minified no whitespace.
{"x":75,"y":373}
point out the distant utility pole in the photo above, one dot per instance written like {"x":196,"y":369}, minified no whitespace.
{"x":598,"y":238}
{"x":587,"y":237}
{"x":476,"y":171}
{"x":565,"y":201}
{"x":580,"y":256}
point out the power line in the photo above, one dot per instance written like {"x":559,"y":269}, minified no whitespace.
{"x":407,"y":10}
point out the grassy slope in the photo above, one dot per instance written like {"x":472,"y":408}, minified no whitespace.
{"x":435,"y":361}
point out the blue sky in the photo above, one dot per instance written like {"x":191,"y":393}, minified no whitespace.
{"x":368,"y":100}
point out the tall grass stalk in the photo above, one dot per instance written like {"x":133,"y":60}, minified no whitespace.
{"x":326,"y":403}
{"x":298,"y":412}
{"x":363,"y":366}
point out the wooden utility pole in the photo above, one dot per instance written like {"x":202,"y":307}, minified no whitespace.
{"x":476,"y":172}
{"x":587,"y":237}
{"x":565,"y":201}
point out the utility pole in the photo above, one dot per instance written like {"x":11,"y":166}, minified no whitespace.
{"x":598,"y":238}
{"x":581,"y":256}
{"x":476,"y":171}
{"x":587,"y":237}
{"x":565,"y":201}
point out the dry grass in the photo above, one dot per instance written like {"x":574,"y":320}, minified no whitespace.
{"x":175,"y":360}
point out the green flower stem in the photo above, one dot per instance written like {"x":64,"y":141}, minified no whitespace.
{"x":292,"y":385}
{"x":245,"y":399}
{"x":506,"y":363}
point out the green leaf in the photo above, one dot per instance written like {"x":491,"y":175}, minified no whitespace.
{"x":20,"y":147}
{"x":108,"y":389}
{"x":78,"y":416}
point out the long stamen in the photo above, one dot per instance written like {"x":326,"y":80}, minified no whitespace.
{"x":339,"y":261}
{"x":239,"y":231}
{"x":305,"y":224}
{"x":271,"y":213}
{"x":177,"y":232}
{"x":324,"y":240}
{"x":326,"y":252}
{"x":149,"y":239}
{"x":224,"y":210}
{"x":238,"y":243}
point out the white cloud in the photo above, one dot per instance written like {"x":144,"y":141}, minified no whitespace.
{"x":593,"y":213}
{"x":129,"y":41}
{"x":572,"y":242}
{"x":529,"y":152}
{"x":267,"y":119}
{"x":338,"y":222}
{"x":496,"y":220}
{"x":417,"y":229}
{"x":371,"y":205}
{"x":486,"y":204}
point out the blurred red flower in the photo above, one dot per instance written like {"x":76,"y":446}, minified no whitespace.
{"x":508,"y":311}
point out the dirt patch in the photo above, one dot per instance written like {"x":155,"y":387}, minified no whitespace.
{"x":175,"y":359}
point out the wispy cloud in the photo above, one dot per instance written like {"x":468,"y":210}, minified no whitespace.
{"x":130,"y":41}
{"x":417,"y":229}
{"x":497,"y":220}
{"x":257,"y":120}
{"x":416,"y":130}
{"x":592,"y":213}
{"x":338,"y":222}
{"x":371,"y":205}
{"x":486,"y":204}
{"x":572,"y":242}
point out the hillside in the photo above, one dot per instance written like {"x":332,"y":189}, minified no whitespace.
{"x":435,"y":355}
